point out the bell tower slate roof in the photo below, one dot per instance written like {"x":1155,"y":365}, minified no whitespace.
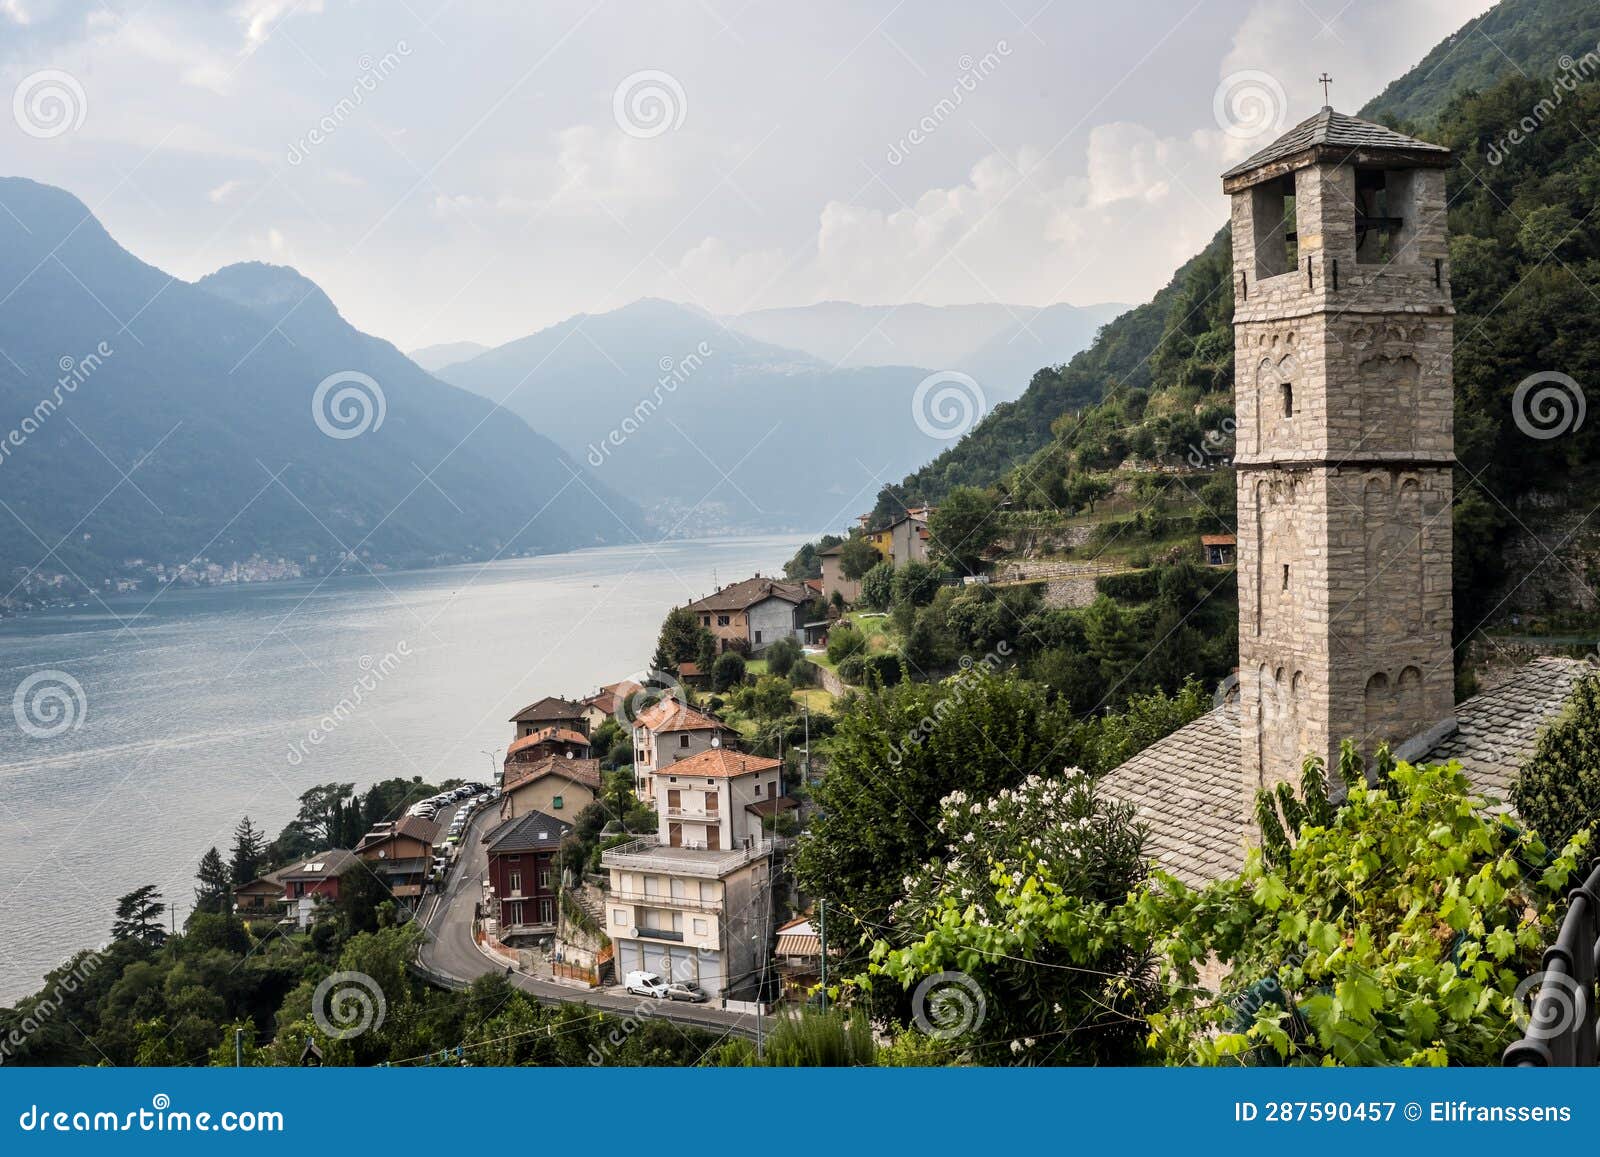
{"x":1337,"y":138}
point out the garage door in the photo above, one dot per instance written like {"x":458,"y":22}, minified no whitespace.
{"x":627,"y":957}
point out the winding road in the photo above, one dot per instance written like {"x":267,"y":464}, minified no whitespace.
{"x":450,"y":952}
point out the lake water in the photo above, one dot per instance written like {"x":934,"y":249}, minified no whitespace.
{"x":198,"y":710}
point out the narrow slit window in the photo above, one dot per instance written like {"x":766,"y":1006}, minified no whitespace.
{"x":1285,"y":576}
{"x":1286,"y":391}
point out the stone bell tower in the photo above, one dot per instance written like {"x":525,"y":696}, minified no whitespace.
{"x":1344,"y":447}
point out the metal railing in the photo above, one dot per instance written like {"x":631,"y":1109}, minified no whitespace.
{"x":1561,"y":1025}
{"x":648,"y":853}
{"x":660,"y":900}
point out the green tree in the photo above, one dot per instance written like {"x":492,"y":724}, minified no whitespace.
{"x":877,"y":588}
{"x":728,"y":671}
{"x":896,"y":752}
{"x":138,"y":917}
{"x":857,"y":557}
{"x":1041,"y":983}
{"x":783,"y":655}
{"x":215,"y":888}
{"x":915,"y":584}
{"x":682,"y":640}
{"x":1558,"y":789}
{"x":249,"y":847}
{"x":844,"y":641}
{"x":961,"y":529}
{"x":772,"y":697}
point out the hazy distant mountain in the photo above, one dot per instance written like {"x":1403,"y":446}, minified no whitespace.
{"x":660,"y":400}
{"x":435,"y":357}
{"x":999,"y":345}
{"x":202,"y":393}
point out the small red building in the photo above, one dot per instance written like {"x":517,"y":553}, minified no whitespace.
{"x":311,"y":887}
{"x":524,"y":875}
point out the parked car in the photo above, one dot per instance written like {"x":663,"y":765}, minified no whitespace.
{"x":685,"y":990}
{"x":645,"y":984}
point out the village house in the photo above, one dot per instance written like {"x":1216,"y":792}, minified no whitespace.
{"x":693,"y":902}
{"x":833,"y":578}
{"x":551,"y":711}
{"x":753,"y":614}
{"x":545,"y":742}
{"x":903,"y":540}
{"x":610,"y":702}
{"x":667,"y":733}
{"x":311,"y":887}
{"x":1344,"y":455}
{"x":524,"y":879}
{"x":552,"y":784}
{"x":797,"y":958}
{"x":262,"y":896}
{"x":1218,"y":549}
{"x":401,"y":854}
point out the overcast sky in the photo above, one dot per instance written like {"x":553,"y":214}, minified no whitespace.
{"x":460,"y":170}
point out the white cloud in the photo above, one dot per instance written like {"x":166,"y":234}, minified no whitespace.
{"x":260,"y":17}
{"x":224,"y":192}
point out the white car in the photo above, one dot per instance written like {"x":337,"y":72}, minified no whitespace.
{"x":645,"y":984}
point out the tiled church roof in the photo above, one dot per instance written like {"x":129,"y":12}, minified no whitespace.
{"x":1187,"y":787}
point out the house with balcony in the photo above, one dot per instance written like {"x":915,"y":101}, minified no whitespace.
{"x":524,"y":876}
{"x":694,"y":901}
{"x":668,"y":733}
{"x":400,"y":854}
{"x":311,"y":886}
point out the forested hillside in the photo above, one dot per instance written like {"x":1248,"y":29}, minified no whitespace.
{"x":1130,"y":352}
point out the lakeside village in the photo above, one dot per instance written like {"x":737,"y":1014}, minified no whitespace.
{"x":640,"y":836}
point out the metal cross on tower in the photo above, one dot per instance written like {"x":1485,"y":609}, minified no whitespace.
{"x":1325,"y":80}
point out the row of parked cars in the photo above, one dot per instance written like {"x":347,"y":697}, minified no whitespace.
{"x":652,"y":985}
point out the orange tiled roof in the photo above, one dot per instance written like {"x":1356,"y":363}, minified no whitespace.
{"x":673,"y":715}
{"x":720,"y":763}
{"x":584,"y":771}
{"x":548,"y":735}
